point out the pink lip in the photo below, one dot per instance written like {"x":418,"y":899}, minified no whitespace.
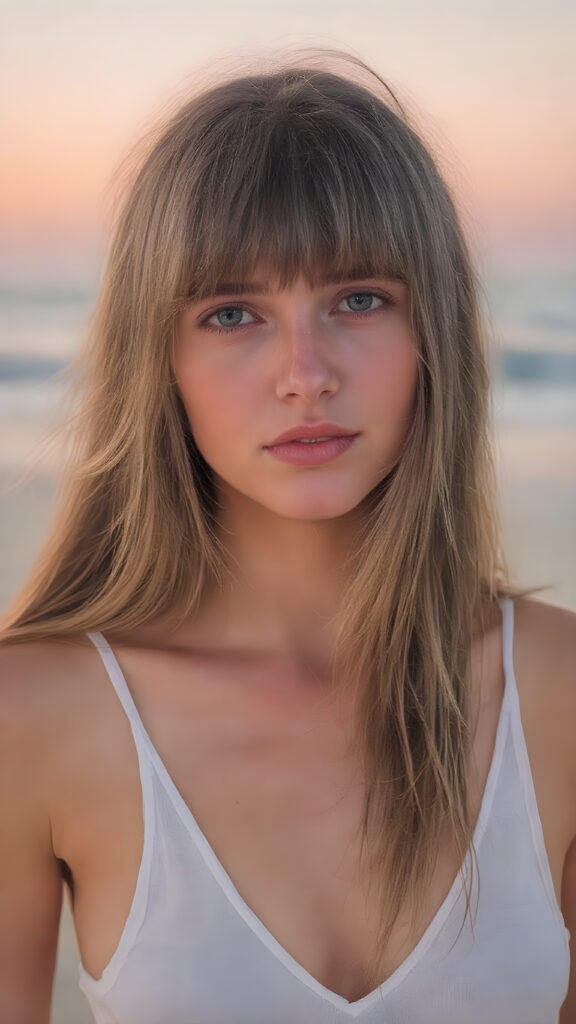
{"x":314,"y":454}
{"x":309,"y":431}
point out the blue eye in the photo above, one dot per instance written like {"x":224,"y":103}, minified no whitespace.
{"x":227,"y":318}
{"x":231,"y":317}
{"x":360,"y":302}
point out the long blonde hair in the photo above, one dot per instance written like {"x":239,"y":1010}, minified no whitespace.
{"x":307,"y":170}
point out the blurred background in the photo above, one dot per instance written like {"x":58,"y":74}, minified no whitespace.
{"x":491,"y":83}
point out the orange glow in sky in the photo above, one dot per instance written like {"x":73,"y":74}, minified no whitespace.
{"x":492,"y":83}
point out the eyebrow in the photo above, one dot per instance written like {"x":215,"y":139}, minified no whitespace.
{"x":259,"y":288}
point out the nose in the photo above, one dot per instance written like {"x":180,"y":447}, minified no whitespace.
{"x":306,"y":370}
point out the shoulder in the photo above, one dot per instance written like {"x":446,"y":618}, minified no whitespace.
{"x":36,"y":677}
{"x":545,"y":647}
{"x":46,"y":689}
{"x":544,"y":658}
{"x":65,"y":743}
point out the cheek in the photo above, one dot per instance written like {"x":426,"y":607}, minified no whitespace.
{"x":218,"y":408}
{"x":199,"y":397}
{"x":391,"y":382}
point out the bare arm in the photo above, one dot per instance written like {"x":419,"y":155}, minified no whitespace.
{"x":545,"y":662}
{"x":30,"y":879}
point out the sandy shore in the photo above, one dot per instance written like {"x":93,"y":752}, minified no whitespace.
{"x":537,"y":471}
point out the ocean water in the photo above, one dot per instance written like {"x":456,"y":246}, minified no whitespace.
{"x":531,"y":322}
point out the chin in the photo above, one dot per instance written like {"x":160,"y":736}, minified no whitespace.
{"x":315,"y":508}
{"x":303,"y":501}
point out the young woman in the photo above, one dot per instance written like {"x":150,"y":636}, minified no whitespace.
{"x":267,"y":704}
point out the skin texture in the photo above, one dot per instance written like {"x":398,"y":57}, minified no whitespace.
{"x":299,"y":355}
{"x":238,"y":702}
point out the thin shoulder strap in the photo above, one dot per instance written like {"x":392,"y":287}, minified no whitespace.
{"x":139,"y":906}
{"x":120,"y":685}
{"x":511,"y":691}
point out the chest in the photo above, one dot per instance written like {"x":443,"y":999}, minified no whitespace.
{"x":274,"y":785}
{"x":276,"y":793}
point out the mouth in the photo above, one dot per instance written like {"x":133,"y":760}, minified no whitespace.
{"x":312,"y":451}
{"x":309,"y":440}
{"x":312,"y":433}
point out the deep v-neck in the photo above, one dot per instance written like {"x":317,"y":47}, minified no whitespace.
{"x":352,"y":1008}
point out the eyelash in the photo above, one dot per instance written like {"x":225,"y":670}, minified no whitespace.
{"x":386,"y":299}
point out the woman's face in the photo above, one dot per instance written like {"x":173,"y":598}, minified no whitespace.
{"x":255,"y":361}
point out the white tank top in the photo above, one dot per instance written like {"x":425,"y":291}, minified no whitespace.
{"x":193,"y":952}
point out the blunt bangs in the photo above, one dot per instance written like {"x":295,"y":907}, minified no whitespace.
{"x":294,"y":179}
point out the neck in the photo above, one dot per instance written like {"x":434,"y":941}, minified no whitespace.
{"x":283,"y":586}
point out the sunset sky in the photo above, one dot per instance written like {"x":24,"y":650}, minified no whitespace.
{"x":493,"y":84}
